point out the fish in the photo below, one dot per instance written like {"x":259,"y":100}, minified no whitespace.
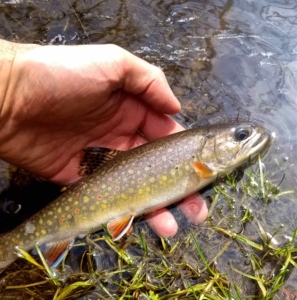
{"x":118,"y":185}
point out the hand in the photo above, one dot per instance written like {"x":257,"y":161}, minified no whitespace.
{"x":61,"y":99}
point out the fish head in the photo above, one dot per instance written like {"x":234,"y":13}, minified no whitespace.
{"x":227,"y":147}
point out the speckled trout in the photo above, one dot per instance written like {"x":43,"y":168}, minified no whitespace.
{"x":134,"y":182}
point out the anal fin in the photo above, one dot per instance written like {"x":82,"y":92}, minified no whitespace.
{"x":54,"y":252}
{"x":120,"y":226}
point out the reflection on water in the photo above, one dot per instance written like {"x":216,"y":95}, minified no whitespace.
{"x":224,"y":59}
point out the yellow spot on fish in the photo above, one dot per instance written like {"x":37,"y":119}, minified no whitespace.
{"x":59,"y":210}
{"x":172,"y":172}
{"x":69,"y":216}
{"x":103,"y":205}
{"x":131,"y":190}
{"x":164,"y":178}
{"x":187,"y":167}
{"x":180,"y":173}
{"x":148,"y":189}
{"x":37,"y":233}
{"x":43,"y":231}
{"x":130,"y":171}
{"x":69,"y":199}
{"x":40,"y":221}
{"x":103,"y":186}
{"x":76,"y":202}
{"x":152,"y":179}
{"x":92,"y":207}
{"x":49,"y":222}
{"x":86,"y":199}
{"x":50,"y":213}
{"x":140,"y":191}
{"x":84,"y":208}
{"x":67,"y":208}
{"x":124,"y":196}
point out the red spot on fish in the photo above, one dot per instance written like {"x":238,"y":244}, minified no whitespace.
{"x":77,"y":211}
{"x":77,"y":194}
{"x":99,"y":197}
{"x":61,"y":221}
{"x":159,"y":168}
{"x":117,"y":188}
{"x":139,"y":180}
{"x":95,"y":188}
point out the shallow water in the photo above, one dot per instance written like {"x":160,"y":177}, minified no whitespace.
{"x":223,"y":59}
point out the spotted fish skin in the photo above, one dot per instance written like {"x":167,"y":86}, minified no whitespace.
{"x":139,"y":181}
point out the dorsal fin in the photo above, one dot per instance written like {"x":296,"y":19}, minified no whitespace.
{"x":94,"y":157}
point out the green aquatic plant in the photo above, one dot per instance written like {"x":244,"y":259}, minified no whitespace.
{"x":195,"y":265}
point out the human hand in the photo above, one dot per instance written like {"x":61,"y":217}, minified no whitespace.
{"x":61,"y":99}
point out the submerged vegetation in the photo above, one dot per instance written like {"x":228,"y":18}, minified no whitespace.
{"x":231,"y":256}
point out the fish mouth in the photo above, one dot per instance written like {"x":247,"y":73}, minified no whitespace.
{"x":261,"y":146}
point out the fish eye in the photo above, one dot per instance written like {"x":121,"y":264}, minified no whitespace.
{"x":241,"y":134}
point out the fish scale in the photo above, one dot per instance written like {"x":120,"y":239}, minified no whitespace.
{"x":138,"y":181}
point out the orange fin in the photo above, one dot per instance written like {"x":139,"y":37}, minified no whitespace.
{"x":202,"y":170}
{"x":120,"y":226}
{"x":54,"y":252}
{"x":94,"y":157}
{"x":130,"y":230}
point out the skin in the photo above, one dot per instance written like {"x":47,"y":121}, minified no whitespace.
{"x":57,"y":100}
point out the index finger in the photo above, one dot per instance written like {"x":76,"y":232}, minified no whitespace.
{"x":149,"y":83}
{"x":156,"y":125}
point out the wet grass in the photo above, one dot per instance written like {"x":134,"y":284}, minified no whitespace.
{"x":231,"y":256}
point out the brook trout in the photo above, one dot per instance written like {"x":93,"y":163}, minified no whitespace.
{"x":134,"y":182}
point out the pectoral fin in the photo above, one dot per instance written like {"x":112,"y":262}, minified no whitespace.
{"x":202,"y":170}
{"x":120,"y":226}
{"x":54,"y":252}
